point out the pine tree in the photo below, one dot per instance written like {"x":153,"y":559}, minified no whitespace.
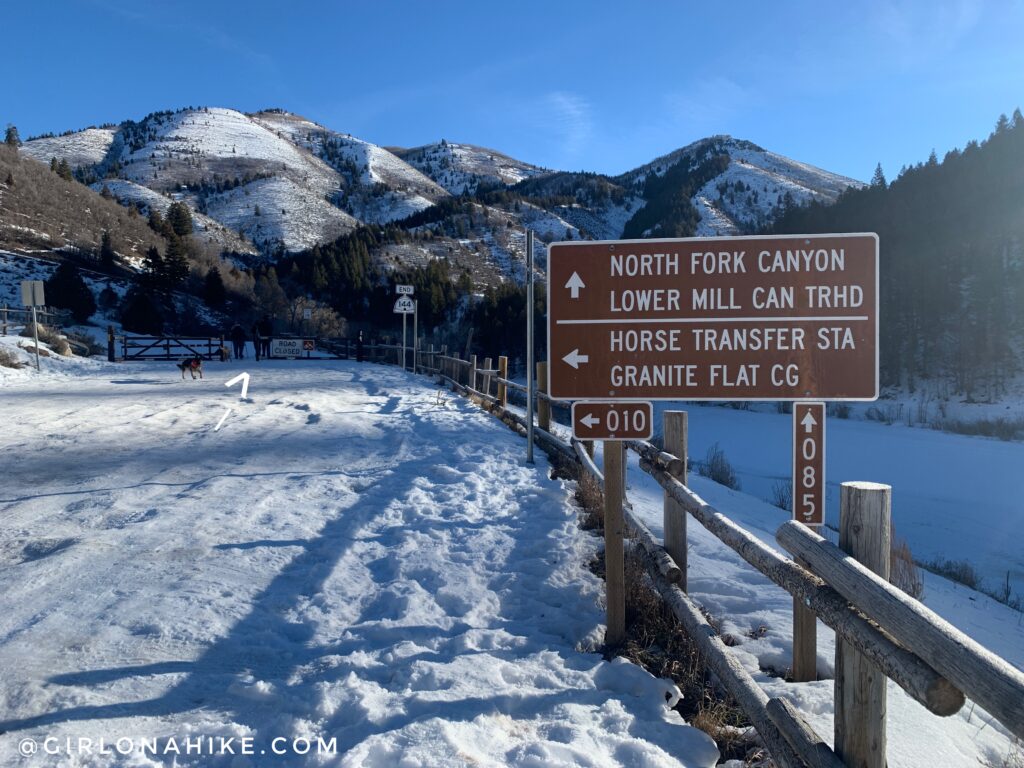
{"x":64,"y":170}
{"x":175,"y":264}
{"x":878,"y":179}
{"x":140,"y":313}
{"x":180,"y":219}
{"x":107,"y":251}
{"x":213,"y":289}
{"x":67,"y":289}
{"x":10,"y":179}
{"x":53,"y":164}
{"x":11,"y":138}
{"x":156,"y":221}
{"x":153,"y":270}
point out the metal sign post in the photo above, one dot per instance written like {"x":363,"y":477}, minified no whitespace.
{"x":32,"y":296}
{"x":530,"y":384}
{"x":789,"y":317}
{"x":404,"y":306}
{"x":415,"y":331}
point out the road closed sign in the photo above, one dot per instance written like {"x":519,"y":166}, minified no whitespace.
{"x":286,"y":347}
{"x":735,"y":318}
{"x":619,"y":420}
{"x":809,"y":463}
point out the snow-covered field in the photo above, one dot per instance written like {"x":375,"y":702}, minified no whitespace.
{"x":351,"y":557}
{"x":954,"y":496}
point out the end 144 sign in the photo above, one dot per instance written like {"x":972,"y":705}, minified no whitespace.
{"x":791,"y":317}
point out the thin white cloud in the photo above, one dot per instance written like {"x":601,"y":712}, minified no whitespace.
{"x":571,"y":118}
{"x":926,"y":29}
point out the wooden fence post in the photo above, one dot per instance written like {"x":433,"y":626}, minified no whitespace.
{"x":487,"y":376}
{"x":472,"y":371}
{"x":5,"y":319}
{"x":860,"y":705}
{"x":615,"y":586}
{"x":805,"y":637}
{"x":502,"y":389}
{"x":543,"y":404}
{"x":674,"y":429}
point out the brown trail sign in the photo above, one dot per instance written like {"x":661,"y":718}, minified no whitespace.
{"x":619,"y":420}
{"x":809,"y":463}
{"x":734,"y":318}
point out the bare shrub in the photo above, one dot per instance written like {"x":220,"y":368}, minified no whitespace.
{"x":50,"y":337}
{"x":782,"y":495}
{"x":959,"y":571}
{"x":7,"y":360}
{"x":656,"y":641}
{"x":86,"y":342}
{"x":903,"y":571}
{"x":591,"y":498}
{"x":839,"y":410}
{"x":717,"y":467}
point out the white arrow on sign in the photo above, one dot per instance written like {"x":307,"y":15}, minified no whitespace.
{"x":809,"y":422}
{"x":242,"y":377}
{"x":575,"y":359}
{"x":574,"y":285}
{"x":590,"y":420}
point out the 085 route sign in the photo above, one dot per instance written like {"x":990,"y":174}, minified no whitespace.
{"x":618,"y":420}
{"x":787,"y":317}
{"x":809,"y":463}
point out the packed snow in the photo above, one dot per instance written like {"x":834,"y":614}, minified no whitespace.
{"x":354,"y":559}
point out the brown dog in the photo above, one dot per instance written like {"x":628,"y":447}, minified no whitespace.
{"x":193,"y":365}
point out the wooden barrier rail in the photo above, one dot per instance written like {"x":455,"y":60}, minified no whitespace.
{"x":879,"y":627}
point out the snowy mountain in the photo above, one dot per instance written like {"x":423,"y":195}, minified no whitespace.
{"x":464,"y":167}
{"x":270,"y":182}
{"x":749,"y":192}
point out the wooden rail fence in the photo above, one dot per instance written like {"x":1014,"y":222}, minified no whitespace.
{"x":880,"y":631}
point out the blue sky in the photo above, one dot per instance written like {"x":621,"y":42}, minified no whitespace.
{"x":596,"y":86}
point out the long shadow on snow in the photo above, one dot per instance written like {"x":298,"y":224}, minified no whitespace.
{"x":263,"y":643}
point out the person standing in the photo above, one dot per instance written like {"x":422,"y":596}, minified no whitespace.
{"x":238,"y":341}
{"x":266,"y":328}
{"x":255,"y":330}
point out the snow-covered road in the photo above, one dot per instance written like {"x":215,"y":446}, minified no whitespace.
{"x":351,"y":557}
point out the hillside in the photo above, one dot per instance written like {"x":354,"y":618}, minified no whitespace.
{"x":272,"y":182}
{"x":464,"y":168}
{"x":744,"y":192}
{"x":952,"y":266}
{"x":39,"y":210}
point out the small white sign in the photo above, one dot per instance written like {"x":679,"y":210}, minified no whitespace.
{"x":404,"y":290}
{"x":404,"y":306}
{"x":32,"y":293}
{"x":286,"y":347}
{"x":307,"y":314}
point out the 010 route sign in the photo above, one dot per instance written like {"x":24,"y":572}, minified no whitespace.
{"x":618,"y":420}
{"x":809,"y":463}
{"x":791,"y":317}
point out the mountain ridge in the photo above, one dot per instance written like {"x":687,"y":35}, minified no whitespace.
{"x":270,"y":182}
